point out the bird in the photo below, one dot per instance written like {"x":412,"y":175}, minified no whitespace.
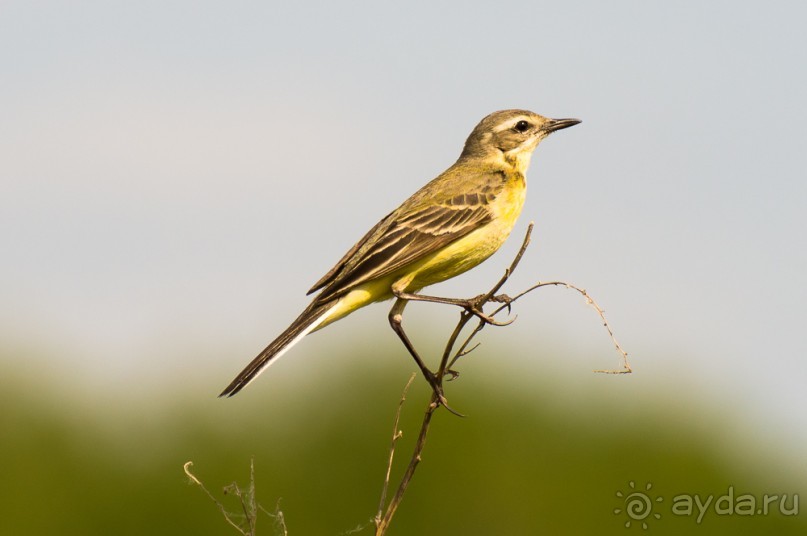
{"x":449,"y":226}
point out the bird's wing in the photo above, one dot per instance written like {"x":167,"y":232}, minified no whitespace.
{"x":411,"y":233}
{"x":335,"y":271}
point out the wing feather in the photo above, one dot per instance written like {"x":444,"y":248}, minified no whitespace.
{"x":410,"y":233}
{"x":334,"y":272}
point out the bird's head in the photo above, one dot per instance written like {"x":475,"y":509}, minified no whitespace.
{"x":511,"y":136}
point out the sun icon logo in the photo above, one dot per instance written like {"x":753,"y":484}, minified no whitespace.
{"x":638,"y":505}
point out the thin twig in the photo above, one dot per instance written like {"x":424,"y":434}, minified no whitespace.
{"x":491,"y":295}
{"x":248,"y":501}
{"x":220,"y":506}
{"x":508,"y":301}
{"x":277,"y":516}
{"x":590,"y":301}
{"x":513,"y":265}
{"x":253,"y":508}
{"x":483,"y":299}
{"x":396,"y":435}
{"x":383,"y":525}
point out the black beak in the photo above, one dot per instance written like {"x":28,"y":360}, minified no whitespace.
{"x":560,"y":124}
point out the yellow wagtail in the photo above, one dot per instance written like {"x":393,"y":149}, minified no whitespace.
{"x":447,"y":227}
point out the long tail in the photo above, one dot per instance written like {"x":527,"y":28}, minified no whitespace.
{"x":308,"y":321}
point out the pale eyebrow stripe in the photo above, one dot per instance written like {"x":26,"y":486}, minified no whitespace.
{"x":510,"y":124}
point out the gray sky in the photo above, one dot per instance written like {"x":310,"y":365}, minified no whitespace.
{"x":174,"y":176}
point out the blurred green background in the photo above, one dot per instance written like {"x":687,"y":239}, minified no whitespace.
{"x":174,"y":175}
{"x":539,"y":451}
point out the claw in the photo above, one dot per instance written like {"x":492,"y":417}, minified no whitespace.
{"x":489,"y":319}
{"x":438,"y":391}
{"x":506,"y":322}
{"x":444,"y":403}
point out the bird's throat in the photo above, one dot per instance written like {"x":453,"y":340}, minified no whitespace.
{"x":519,"y":161}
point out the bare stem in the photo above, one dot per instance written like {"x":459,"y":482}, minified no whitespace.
{"x":396,"y":435}
{"x":383,"y":524}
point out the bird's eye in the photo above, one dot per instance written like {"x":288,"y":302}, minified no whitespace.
{"x":522,"y":126}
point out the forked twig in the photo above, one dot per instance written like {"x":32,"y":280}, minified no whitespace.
{"x":473,"y":308}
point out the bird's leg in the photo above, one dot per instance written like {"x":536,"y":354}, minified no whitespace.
{"x":396,"y":322}
{"x":472,"y":305}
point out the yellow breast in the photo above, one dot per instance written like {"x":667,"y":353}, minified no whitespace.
{"x":472,"y":249}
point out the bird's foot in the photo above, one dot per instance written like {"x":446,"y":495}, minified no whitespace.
{"x":438,"y":393}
